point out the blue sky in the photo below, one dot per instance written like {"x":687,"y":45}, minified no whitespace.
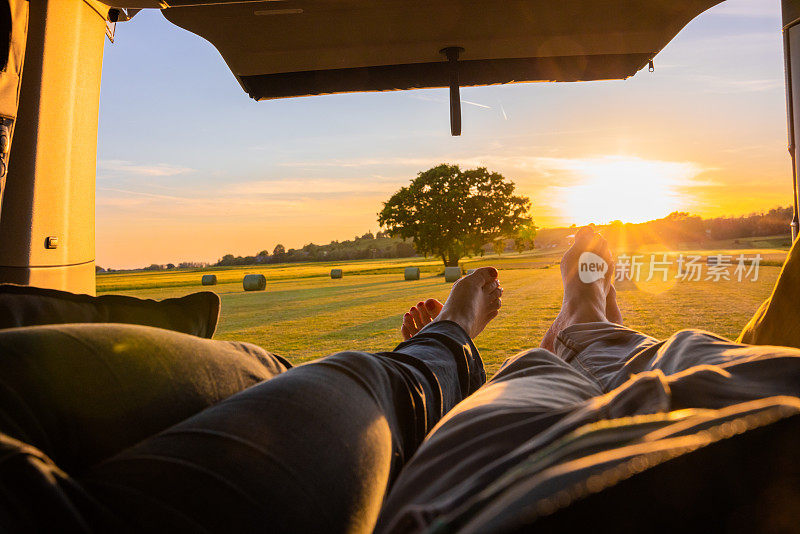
{"x":190,"y":168}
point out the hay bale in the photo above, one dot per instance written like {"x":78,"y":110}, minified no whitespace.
{"x":209,"y":280}
{"x":336,"y":273}
{"x":412,"y":273}
{"x":451,"y":274}
{"x":254,"y":282}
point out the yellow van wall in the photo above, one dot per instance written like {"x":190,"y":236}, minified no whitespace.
{"x":50,"y":188}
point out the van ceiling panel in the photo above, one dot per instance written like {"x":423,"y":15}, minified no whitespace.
{"x":303,"y":47}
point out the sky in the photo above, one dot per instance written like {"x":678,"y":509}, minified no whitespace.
{"x":190,"y":168}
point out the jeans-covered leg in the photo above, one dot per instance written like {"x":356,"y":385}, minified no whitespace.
{"x":314,"y":449}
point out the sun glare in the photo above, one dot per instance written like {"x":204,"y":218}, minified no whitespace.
{"x":625,"y":188}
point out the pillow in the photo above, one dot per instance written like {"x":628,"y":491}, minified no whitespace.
{"x":195,"y":314}
{"x":81,"y":393}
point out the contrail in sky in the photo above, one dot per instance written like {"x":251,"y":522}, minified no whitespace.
{"x":476,"y":104}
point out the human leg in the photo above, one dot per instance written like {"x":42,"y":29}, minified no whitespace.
{"x":585,"y":298}
{"x":545,"y":427}
{"x":83,"y":392}
{"x":313,"y":449}
{"x":775,"y":322}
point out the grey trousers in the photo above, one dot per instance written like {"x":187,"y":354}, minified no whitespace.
{"x":120,"y":428}
{"x":549,"y":429}
{"x":126,"y":428}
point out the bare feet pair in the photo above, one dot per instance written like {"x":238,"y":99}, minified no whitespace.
{"x":585,"y":301}
{"x":475,"y":299}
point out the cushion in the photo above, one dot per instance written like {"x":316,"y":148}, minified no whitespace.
{"x":195,"y":314}
{"x":81,"y":393}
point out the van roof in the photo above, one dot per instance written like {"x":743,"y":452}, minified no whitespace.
{"x":307,"y":47}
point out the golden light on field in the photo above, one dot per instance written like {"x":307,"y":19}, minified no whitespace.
{"x":658,"y":272}
{"x":626,"y":188}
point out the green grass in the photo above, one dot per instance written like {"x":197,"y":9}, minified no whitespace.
{"x":304,"y":314}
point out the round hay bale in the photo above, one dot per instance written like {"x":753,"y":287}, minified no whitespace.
{"x":209,"y":280}
{"x":254,"y":282}
{"x":336,"y":273}
{"x":412,"y":273}
{"x":451,"y":274}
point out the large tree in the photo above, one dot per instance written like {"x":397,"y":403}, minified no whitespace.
{"x":451,"y":213}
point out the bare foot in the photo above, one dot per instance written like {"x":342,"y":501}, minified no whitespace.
{"x":418,"y":316}
{"x":584,"y":302}
{"x":613,"y":312}
{"x":473,"y":301}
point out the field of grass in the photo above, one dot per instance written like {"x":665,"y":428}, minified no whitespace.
{"x":304,"y":314}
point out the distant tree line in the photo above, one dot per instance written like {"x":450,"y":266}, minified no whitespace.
{"x":367,"y":246}
{"x":672,"y":230}
{"x":158,"y":267}
{"x":680,"y":227}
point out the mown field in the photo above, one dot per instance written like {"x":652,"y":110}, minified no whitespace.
{"x":304,"y":314}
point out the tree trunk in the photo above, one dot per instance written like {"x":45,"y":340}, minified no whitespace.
{"x":451,"y":260}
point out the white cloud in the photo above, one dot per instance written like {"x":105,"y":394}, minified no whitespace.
{"x":118,"y":166}
{"x":207,"y":204}
{"x":314,"y":187}
{"x":545,"y":178}
{"x":728,"y":86}
{"x":362,"y":162}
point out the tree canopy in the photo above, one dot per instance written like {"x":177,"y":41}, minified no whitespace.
{"x":451,"y":213}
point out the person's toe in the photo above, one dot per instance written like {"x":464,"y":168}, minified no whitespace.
{"x":496,"y":304}
{"x":483,"y":275}
{"x":433,"y":307}
{"x":417,"y":316}
{"x":408,"y":324}
{"x":491,"y":272}
{"x":405,"y":332}
{"x":603,"y":250}
{"x":584,"y":234}
{"x":423,"y":312}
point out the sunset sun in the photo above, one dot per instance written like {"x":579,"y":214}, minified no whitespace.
{"x":625,"y":188}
